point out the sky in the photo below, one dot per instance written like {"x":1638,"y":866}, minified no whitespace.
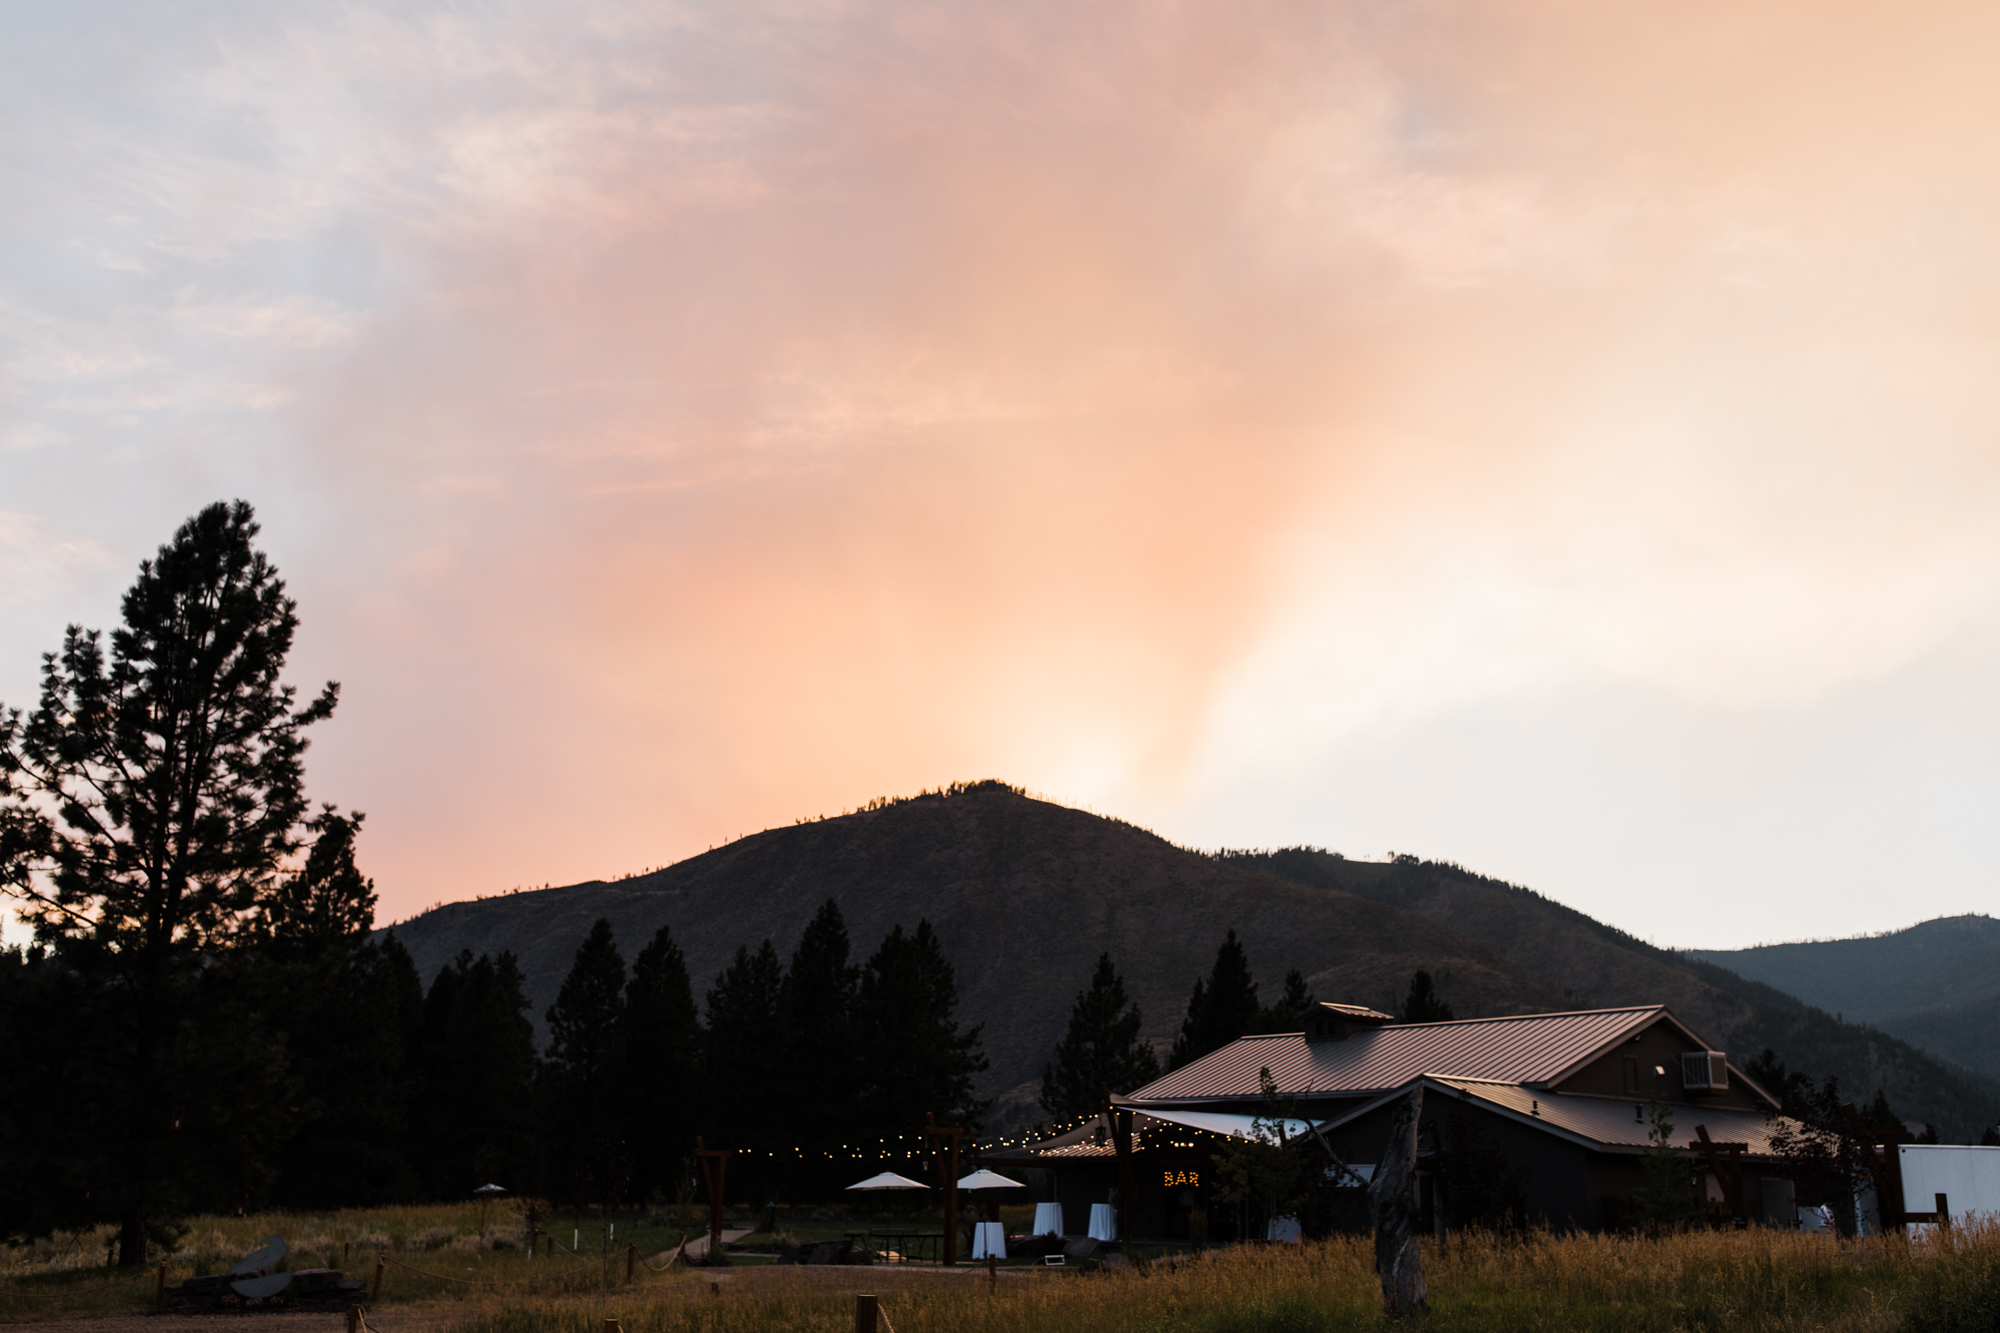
{"x":1558,"y":438}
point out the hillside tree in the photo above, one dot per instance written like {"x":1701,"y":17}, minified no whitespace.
{"x":1100,"y":1048}
{"x":1288,"y":1013}
{"x":476,"y":1120}
{"x":152,"y":797}
{"x":915,"y":1058}
{"x":747,"y":1070}
{"x":582,"y":1071}
{"x":1423,"y":1004}
{"x":662,"y":1048}
{"x":817,"y":1002}
{"x":1223,"y":1007}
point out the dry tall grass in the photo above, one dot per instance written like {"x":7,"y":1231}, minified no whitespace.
{"x":1780,"y":1282}
{"x":1755,"y":1280}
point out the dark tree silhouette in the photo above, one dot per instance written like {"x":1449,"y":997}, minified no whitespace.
{"x":329,"y":901}
{"x":915,"y":1057}
{"x":477,"y":1103}
{"x":747,"y":1051}
{"x":662,"y":1048}
{"x":582,"y":1097}
{"x":817,"y":1002}
{"x":1423,"y":1004}
{"x":153,"y":796}
{"x":1101,"y":1048}
{"x":1286,"y":1014}
{"x":1222,"y":1008}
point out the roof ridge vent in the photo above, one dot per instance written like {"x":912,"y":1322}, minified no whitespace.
{"x":1338,"y":1022}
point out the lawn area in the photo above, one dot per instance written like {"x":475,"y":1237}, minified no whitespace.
{"x":460,"y":1273}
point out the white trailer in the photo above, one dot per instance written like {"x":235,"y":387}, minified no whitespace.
{"x":1968,"y":1178}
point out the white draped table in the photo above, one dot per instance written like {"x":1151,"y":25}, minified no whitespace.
{"x":1103,"y":1222}
{"x":989,"y":1238}
{"x":1048,"y":1219}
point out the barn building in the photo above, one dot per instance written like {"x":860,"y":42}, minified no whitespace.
{"x":1548,"y":1115}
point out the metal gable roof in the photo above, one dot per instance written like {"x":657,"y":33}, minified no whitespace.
{"x":1616,"y":1123}
{"x":1531,"y":1049}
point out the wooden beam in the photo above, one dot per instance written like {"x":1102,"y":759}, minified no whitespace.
{"x":948,"y":1166}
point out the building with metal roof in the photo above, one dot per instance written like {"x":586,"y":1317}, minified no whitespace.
{"x":1561,"y":1106}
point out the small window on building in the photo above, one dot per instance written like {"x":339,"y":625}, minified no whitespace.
{"x":1631,"y":1073}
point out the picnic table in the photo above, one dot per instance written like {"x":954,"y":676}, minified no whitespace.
{"x":903,"y":1241}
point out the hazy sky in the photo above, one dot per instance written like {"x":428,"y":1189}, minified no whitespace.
{"x":1559,"y":438}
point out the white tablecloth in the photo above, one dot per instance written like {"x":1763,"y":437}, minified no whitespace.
{"x":1048,"y":1219}
{"x":1286,"y":1229}
{"x":1103,"y":1222}
{"x":989,"y":1238}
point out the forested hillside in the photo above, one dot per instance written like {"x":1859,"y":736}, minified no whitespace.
{"x":1598,"y":965}
{"x":1936,"y":984}
{"x":1023,"y":894}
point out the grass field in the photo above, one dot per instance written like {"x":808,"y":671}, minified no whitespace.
{"x":477,"y":1279}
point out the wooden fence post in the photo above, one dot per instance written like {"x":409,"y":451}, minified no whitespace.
{"x":612,"y":1326}
{"x":631,"y":1261}
{"x":161,"y":1296}
{"x":864,"y":1314}
{"x":375,"y":1292}
{"x":353,"y":1319}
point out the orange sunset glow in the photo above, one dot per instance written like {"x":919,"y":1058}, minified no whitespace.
{"x":1558,"y":438}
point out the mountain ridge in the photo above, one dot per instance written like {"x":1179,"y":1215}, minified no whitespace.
{"x":1025,"y":893}
{"x":1935,"y":984}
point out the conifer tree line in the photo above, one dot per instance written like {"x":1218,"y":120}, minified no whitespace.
{"x":206,"y":1022}
{"x":1101,"y":1049}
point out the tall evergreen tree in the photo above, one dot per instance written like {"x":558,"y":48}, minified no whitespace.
{"x":478,"y":1102}
{"x":914,"y":1056}
{"x":1285,"y":1015}
{"x":153,"y":796}
{"x":582,"y":1100}
{"x":747,"y":1052}
{"x":352,"y":1015}
{"x":1222,"y":1008}
{"x":817,"y":1004}
{"x":662,"y":1047}
{"x":329,"y":902}
{"x":1423,"y":1004}
{"x":1100,"y":1049}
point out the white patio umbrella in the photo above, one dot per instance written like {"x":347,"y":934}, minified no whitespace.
{"x":983,"y":1179}
{"x":889,"y":1180}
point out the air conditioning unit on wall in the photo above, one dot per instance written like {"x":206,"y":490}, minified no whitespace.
{"x":1705,"y":1071}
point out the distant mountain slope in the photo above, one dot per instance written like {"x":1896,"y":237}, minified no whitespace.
{"x":1936,"y":984}
{"x":1946,"y":961}
{"x":1024,"y":894}
{"x":1598,"y":965}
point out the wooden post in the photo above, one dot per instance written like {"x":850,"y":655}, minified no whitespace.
{"x":631,"y":1261}
{"x":948,"y":1165}
{"x":1399,"y":1261}
{"x":1728,"y":1170}
{"x":992,"y":1270}
{"x":353,"y":1319}
{"x":612,"y":1326}
{"x":1121,"y":1142}
{"x":161,"y":1295}
{"x":864,"y":1314}
{"x":714,"y":1171}
{"x":375,"y":1292}
{"x":346,"y":1250}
